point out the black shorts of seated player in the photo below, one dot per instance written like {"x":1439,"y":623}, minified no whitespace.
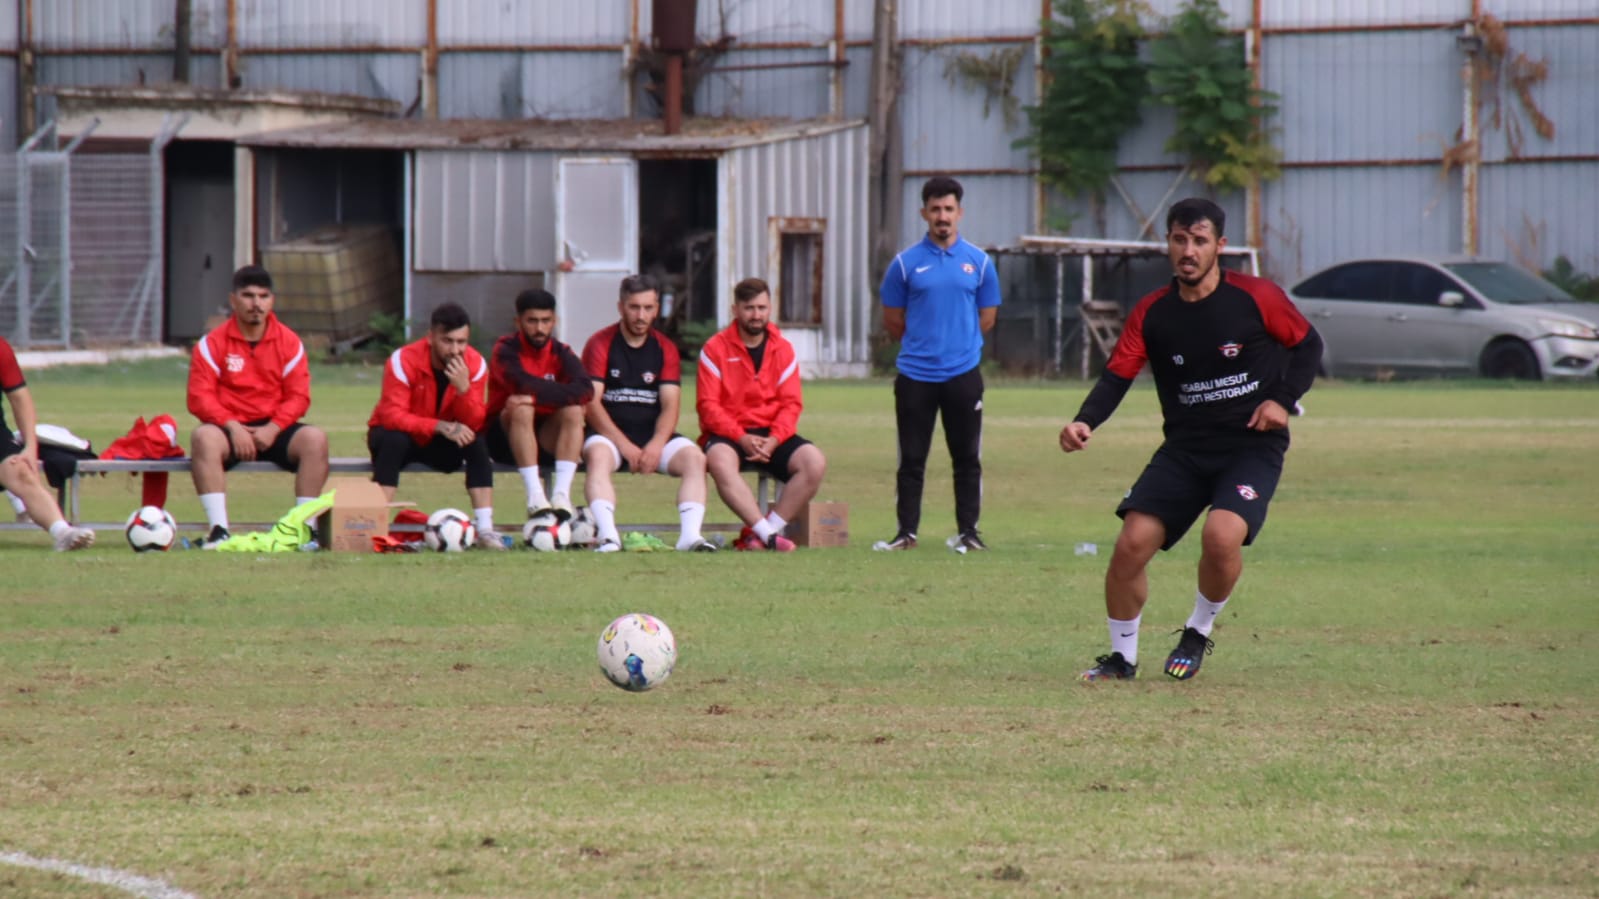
{"x":277,"y":453}
{"x":393,"y":450}
{"x":777,"y":465}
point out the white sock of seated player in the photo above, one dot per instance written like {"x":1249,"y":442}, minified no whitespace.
{"x":216,"y":509}
{"x":1205,"y":612}
{"x":604,"y":512}
{"x":484,"y":519}
{"x":534,"y":486}
{"x":564,"y":472}
{"x":692,"y":515}
{"x":777,"y":522}
{"x":763,"y":530}
{"x":17,"y":505}
{"x":1124,"y":638}
{"x":60,"y":527}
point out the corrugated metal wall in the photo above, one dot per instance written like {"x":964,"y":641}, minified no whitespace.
{"x":1371,"y":96}
{"x":484,"y":211}
{"x":815,"y":177}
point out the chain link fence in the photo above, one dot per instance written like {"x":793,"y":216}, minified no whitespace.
{"x":80,"y":249}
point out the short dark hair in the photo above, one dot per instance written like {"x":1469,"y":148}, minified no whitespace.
{"x":450,"y":317}
{"x":748,"y":289}
{"x":1192,"y":211}
{"x":251,"y":276}
{"x":633,"y":284}
{"x":534,"y":298}
{"x":941,"y":186}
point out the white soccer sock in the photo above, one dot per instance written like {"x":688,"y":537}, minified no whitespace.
{"x":763,"y":529}
{"x":777,"y":522}
{"x":604,"y":512}
{"x":60,"y":527}
{"x":564,"y":472}
{"x":17,"y":505}
{"x":484,"y":519}
{"x":1124,"y":638}
{"x":302,"y":500}
{"x":1205,"y":612}
{"x":216,"y":509}
{"x":692,"y":515}
{"x":534,"y":486}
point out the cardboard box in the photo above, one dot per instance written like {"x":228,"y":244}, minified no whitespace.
{"x":359,"y":513}
{"x":821,"y":524}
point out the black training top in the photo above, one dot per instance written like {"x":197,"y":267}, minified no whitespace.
{"x":1214,"y":360}
{"x":632,"y":377}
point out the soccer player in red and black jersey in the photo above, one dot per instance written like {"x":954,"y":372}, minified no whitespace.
{"x":1231,"y":356}
{"x":537,"y":391}
{"x":19,"y":459}
{"x":633,"y":417}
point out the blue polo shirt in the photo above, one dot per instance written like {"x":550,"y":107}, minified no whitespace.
{"x":940,"y":291}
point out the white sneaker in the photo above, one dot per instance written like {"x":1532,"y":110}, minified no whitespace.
{"x":608,"y":546}
{"x":562,"y":504}
{"x":490,"y":539}
{"x":74,"y":538}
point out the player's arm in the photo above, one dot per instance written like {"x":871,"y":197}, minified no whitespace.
{"x":603,"y":424}
{"x":790,"y":400}
{"x":671,"y":396}
{"x":469,"y":407}
{"x":893,"y":293}
{"x":715,"y":416}
{"x":393,"y":411}
{"x":296,"y":388}
{"x":1125,"y":362}
{"x":987,"y":297}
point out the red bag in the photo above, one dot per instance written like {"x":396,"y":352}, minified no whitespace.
{"x":411,"y":517}
{"x":157,"y":439}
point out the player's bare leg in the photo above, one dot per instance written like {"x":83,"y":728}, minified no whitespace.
{"x":21,"y":477}
{"x":561,"y":434}
{"x":599,"y":491}
{"x":308,"y":453}
{"x":519,"y":421}
{"x":209,"y":450}
{"x":688,"y":466}
{"x":721,"y":462}
{"x":806,"y":468}
{"x":1126,"y":591}
{"x":1221,"y":562}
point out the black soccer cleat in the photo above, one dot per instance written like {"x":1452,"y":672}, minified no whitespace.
{"x":1192,"y":647}
{"x":218,"y":536}
{"x":1111,"y":667}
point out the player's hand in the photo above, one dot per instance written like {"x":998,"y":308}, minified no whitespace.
{"x":242,"y":440}
{"x":1269,"y":416}
{"x":455,"y":432}
{"x":630,"y":454}
{"x":1075,"y":436}
{"x":456,"y":371}
{"x":649,"y":457}
{"x":753,"y":447}
{"x":264,"y":436}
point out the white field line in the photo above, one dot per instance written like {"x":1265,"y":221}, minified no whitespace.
{"x":143,"y":887}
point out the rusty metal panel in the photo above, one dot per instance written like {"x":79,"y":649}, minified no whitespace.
{"x":1316,"y":217}
{"x":10,"y":19}
{"x":1382,"y":95}
{"x":789,"y":92}
{"x":480,"y":85}
{"x":1236,"y":13}
{"x":484,"y":211}
{"x":816,"y":177}
{"x":543,"y":23}
{"x":1343,"y":13}
{"x":951,"y":123}
{"x":571,"y":85}
{"x":1149,"y":194}
{"x":291,"y":24}
{"x":1531,"y":213}
{"x":1566,"y":98}
{"x":8,"y":90}
{"x":387,"y":76}
{"x":946,"y":19}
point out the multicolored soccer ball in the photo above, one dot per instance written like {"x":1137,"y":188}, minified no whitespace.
{"x":151,"y":529}
{"x":546,"y":532}
{"x":637,"y":652}
{"x":449,"y":531}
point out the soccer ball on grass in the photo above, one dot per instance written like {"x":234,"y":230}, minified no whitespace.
{"x":546,"y":532}
{"x":449,"y":531}
{"x":151,"y":529}
{"x":637,"y":652}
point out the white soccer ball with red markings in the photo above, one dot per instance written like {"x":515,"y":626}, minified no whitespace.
{"x":151,"y":529}
{"x":449,"y":531}
{"x":546,"y":532}
{"x":637,"y":652}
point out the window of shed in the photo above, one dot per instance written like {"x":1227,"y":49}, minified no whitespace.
{"x":799,"y":264}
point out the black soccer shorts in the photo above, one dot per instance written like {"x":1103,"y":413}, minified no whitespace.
{"x":1179,"y":483}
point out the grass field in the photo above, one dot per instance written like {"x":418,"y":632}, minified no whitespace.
{"x":1404,"y":698}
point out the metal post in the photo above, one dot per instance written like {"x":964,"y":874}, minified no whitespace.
{"x":65,"y":316}
{"x":1088,"y":294}
{"x":24,"y":266}
{"x":1060,"y":313}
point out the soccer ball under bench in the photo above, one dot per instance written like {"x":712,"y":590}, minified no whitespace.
{"x":449,"y":531}
{"x":151,"y":529}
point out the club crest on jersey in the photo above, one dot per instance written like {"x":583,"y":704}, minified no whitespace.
{"x":1231,"y":349}
{"x":616,"y":372}
{"x":649,"y":377}
{"x":968,"y":268}
{"x":1247,"y":492}
{"x":235,"y":362}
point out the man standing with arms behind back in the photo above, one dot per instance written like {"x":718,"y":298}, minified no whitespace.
{"x":249,"y":385}
{"x":939,"y":297}
{"x":1230,"y":355}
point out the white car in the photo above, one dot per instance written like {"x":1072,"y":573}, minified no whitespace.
{"x":1419,"y":316}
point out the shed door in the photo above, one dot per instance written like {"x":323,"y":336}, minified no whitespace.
{"x":596,"y":229}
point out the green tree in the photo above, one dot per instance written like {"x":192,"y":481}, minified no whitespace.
{"x":1199,"y":70}
{"x":1096,"y":84}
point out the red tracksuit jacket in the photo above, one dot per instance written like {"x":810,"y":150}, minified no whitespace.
{"x":231,"y":380}
{"x":552,"y":375}
{"x":732,"y":397}
{"x":410,"y":398}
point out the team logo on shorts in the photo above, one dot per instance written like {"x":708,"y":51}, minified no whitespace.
{"x":1247,"y":492}
{"x":968,"y":268}
{"x":649,"y":377}
{"x":1230,"y":349}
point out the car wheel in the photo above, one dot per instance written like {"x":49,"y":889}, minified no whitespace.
{"x":1510,"y":359}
